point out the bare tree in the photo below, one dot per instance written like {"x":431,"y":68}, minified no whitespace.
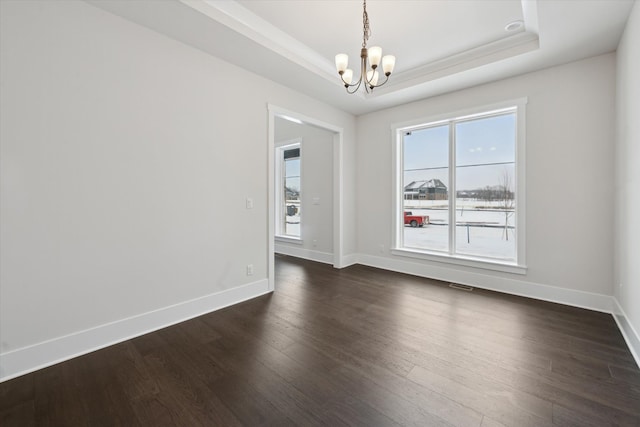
{"x":507,"y":199}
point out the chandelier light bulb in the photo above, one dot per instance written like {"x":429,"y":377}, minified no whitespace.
{"x":375,"y":53}
{"x":388,"y":62}
{"x":372,"y":77}
{"x":347,"y":76}
{"x":342,"y":61}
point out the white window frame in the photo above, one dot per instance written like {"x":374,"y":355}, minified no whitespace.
{"x":399,"y":129}
{"x":280,"y":148}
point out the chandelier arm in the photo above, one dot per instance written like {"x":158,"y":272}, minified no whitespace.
{"x":348,"y":85}
{"x":355,"y":86}
{"x":368,"y":86}
{"x":380,"y":84}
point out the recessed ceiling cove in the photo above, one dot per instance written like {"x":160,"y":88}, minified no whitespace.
{"x":439,"y":45}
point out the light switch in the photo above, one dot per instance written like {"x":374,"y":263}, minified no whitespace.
{"x":249,"y":203}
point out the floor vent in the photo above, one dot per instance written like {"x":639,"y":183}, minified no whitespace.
{"x":461,"y":287}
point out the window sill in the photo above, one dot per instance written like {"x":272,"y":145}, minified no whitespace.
{"x":506,"y":267}
{"x":288,"y":239}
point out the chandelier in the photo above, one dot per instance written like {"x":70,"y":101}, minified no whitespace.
{"x":369,"y":62}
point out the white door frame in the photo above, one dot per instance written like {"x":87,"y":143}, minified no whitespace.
{"x":275,"y":111}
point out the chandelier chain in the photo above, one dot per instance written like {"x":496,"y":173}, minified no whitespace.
{"x":365,"y":25}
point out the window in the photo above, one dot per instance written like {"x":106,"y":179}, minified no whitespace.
{"x":288,"y":211}
{"x":460,"y":187}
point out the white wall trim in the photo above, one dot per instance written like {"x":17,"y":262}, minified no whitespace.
{"x":631,"y":336}
{"x":466,"y":261}
{"x":515,"y":106}
{"x":279,"y":180}
{"x":28,"y":359}
{"x":296,"y":251}
{"x":289,"y":240}
{"x":338,"y":184}
{"x":589,"y":300}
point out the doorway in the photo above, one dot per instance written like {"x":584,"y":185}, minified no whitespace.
{"x":311,"y":202}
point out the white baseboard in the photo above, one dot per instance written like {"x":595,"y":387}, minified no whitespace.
{"x":592,"y":301}
{"x":349,"y":260}
{"x":28,"y":359}
{"x":629,"y":333}
{"x":299,"y":252}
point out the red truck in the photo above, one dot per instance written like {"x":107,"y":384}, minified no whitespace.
{"x":415,"y":220}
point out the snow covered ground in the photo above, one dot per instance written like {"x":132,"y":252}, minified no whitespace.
{"x":480,"y":228}
{"x":293,"y":225}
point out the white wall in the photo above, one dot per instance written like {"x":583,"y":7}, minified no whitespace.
{"x":627,"y":180}
{"x":570,"y":126}
{"x":126,"y":159}
{"x":317,"y":183}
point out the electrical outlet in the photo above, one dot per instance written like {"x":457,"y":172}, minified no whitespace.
{"x":315,"y":243}
{"x":250,"y":270}
{"x":249,"y":203}
{"x":381,"y":248}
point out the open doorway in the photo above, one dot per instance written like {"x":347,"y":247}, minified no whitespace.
{"x":305,"y":189}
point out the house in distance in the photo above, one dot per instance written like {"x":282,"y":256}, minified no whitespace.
{"x":433,"y":189}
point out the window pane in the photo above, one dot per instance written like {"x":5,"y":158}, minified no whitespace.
{"x":292,"y":194}
{"x":487,"y":140}
{"x":485,"y":187}
{"x":426,"y":188}
{"x":292,"y":166}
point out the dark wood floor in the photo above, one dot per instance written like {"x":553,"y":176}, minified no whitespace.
{"x":358,"y":346}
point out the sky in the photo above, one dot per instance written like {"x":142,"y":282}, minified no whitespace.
{"x":479,"y":142}
{"x":292,"y":174}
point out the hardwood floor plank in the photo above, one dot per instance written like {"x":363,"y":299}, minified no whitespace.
{"x":500,"y":407}
{"x":147,"y":343}
{"x":58,"y":398}
{"x":131,"y":372}
{"x":628,"y":375}
{"x":190,"y":399}
{"x":482,"y":376}
{"x":490,"y":422}
{"x":106,"y":404}
{"x":567,"y":417}
{"x":16,"y":391}
{"x":300,"y":408}
{"x":353,"y":412}
{"x":314,"y":384}
{"x":433,"y":403}
{"x":160,"y":410}
{"x":248,"y":405}
{"x":250,"y":323}
{"x":189,"y":356}
{"x":347,"y":378}
{"x":21,"y":414}
{"x":198,"y":331}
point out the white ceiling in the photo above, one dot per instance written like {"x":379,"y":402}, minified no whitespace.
{"x":440,"y":45}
